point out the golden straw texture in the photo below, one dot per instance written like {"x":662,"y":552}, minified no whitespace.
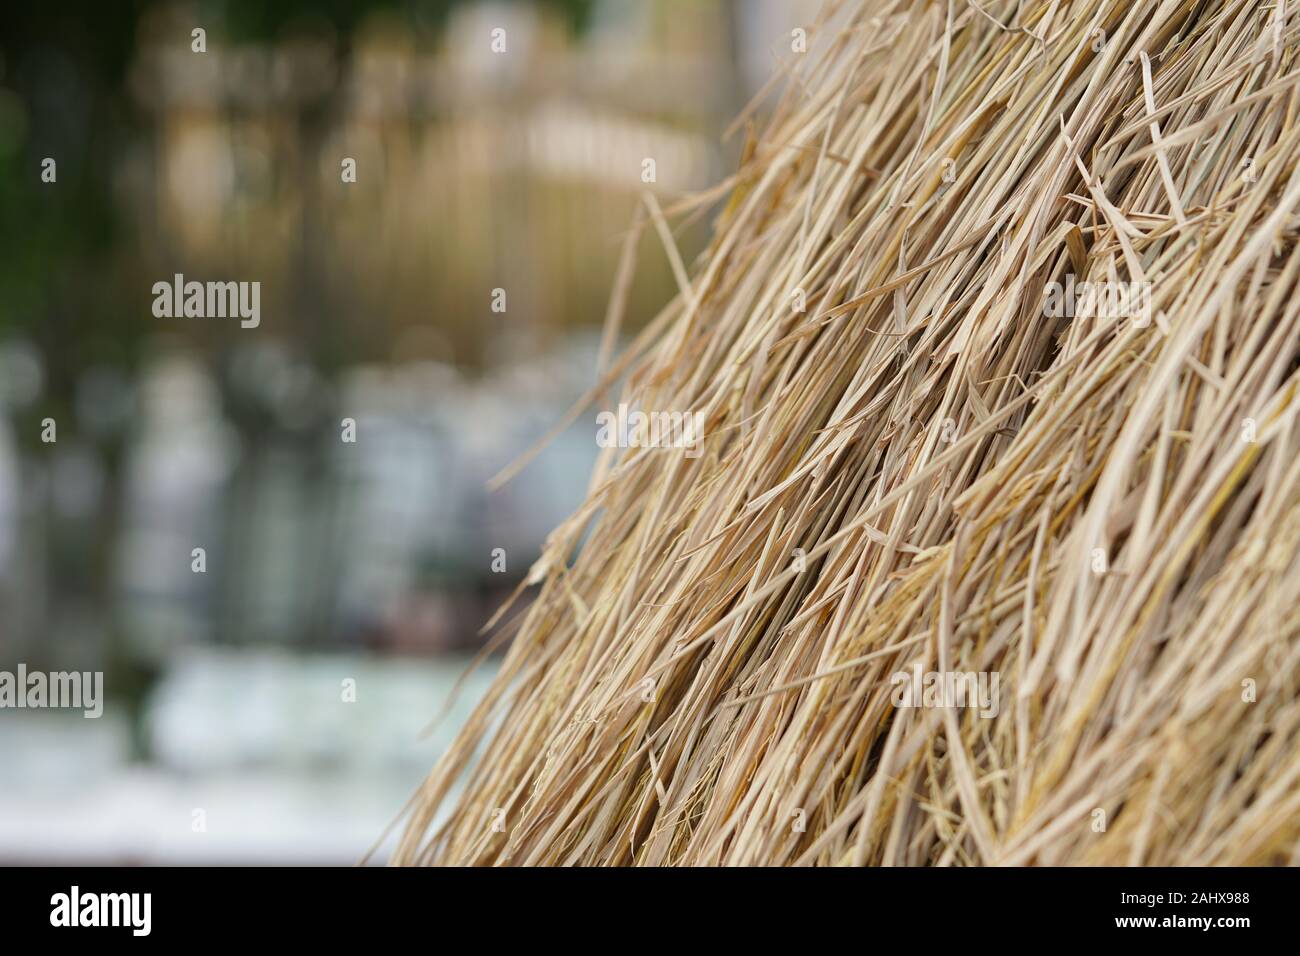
{"x":912,"y":463}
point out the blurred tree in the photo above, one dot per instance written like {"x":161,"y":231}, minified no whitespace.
{"x":71,"y":288}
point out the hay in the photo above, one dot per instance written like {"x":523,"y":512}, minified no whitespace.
{"x":922,"y":470}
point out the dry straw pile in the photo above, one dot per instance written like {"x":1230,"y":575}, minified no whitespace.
{"x":920,"y":470}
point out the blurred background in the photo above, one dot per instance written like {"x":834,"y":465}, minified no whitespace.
{"x":228,"y":735}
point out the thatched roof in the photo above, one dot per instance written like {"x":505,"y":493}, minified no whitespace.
{"x":928,"y":469}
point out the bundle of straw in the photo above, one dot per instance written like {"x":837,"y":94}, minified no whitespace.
{"x":911,"y":464}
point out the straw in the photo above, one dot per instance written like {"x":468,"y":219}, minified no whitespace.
{"x":921,"y":471}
